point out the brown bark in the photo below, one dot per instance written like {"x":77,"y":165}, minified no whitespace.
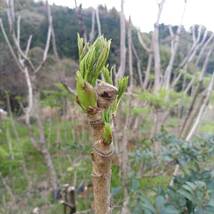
{"x":68,"y":197}
{"x":102,"y":152}
{"x":101,"y":166}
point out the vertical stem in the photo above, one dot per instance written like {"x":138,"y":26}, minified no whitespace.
{"x":101,"y":166}
{"x":130,"y":55}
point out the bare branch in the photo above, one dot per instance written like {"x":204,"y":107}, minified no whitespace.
{"x":206,"y":63}
{"x":196,"y":123}
{"x":204,"y":47}
{"x":21,"y":53}
{"x":193,"y":34}
{"x":175,"y":81}
{"x":174,"y":47}
{"x":189,"y":85}
{"x":18,"y":29}
{"x":160,"y":6}
{"x":28,"y":45}
{"x":171,"y":31}
{"x":202,"y":109}
{"x":148,"y":69}
{"x":47,"y":44}
{"x":11,"y":14}
{"x":10,"y":46}
{"x":140,"y":38}
{"x":50,"y":20}
{"x":156,"y":48}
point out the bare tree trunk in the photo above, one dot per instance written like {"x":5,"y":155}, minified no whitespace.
{"x":42,"y":147}
{"x":92,"y":33}
{"x":202,"y":104}
{"x":156,"y":48}
{"x":121,"y":70}
{"x":21,"y":57}
{"x":149,"y":64}
{"x":30,"y":96}
{"x":75,"y":3}
{"x":147,"y":75}
{"x":185,"y":125}
{"x":198,"y":44}
{"x":203,"y":48}
{"x":11,"y":15}
{"x":50,"y":19}
{"x":25,"y":65}
{"x":98,"y":22}
{"x":51,"y":170}
{"x":131,"y":75}
{"x":138,"y":66}
{"x":124,"y":162}
{"x":174,"y":47}
{"x":80,"y":22}
{"x":202,"y":110}
{"x":189,"y":85}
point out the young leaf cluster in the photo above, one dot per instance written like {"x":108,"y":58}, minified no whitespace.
{"x":93,"y":58}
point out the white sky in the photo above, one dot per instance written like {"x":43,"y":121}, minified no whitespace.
{"x":144,"y":12}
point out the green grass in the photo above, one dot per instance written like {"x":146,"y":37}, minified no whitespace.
{"x":207,"y":127}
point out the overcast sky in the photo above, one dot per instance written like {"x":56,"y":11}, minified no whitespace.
{"x":144,"y":12}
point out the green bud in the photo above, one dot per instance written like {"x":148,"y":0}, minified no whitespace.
{"x":86,"y":94}
{"x":107,"y":133}
{"x":107,"y":74}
